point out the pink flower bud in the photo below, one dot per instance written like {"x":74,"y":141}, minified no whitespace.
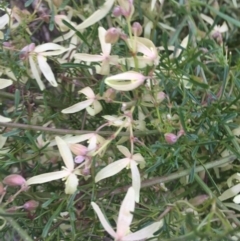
{"x":26,"y":50}
{"x":137,"y":29}
{"x":112,"y":35}
{"x":14,"y":180}
{"x":78,"y":149}
{"x":170,"y":138}
{"x":85,"y":172}
{"x":198,"y":200}
{"x":31,"y":205}
{"x":117,"y":11}
{"x":160,"y":96}
{"x":7,"y":44}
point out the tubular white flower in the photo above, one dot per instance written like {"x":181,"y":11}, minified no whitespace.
{"x":126,"y":81}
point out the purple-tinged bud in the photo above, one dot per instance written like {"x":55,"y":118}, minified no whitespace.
{"x":86,"y":172}
{"x":14,"y":180}
{"x":109,"y":95}
{"x":112,"y":35}
{"x":30,"y":205}
{"x":78,"y":149}
{"x":137,"y":29}
{"x":196,"y":201}
{"x":117,"y":11}
{"x":170,"y":138}
{"x":160,"y":96}
{"x":7,"y":44}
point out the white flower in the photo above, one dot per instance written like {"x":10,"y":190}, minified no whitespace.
{"x":144,"y":46}
{"x":92,"y":105}
{"x":217,"y":29}
{"x":131,"y":161}
{"x":37,"y":59}
{"x":105,"y":58}
{"x":124,"y":221}
{"x":68,"y":174}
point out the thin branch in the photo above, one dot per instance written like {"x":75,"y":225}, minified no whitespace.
{"x":73,"y":132}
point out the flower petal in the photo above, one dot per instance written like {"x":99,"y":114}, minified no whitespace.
{"x":3,"y":140}
{"x":35,"y":73}
{"x":106,"y":47}
{"x":89,"y":57}
{"x":71,"y":184}
{"x":112,"y":169}
{"x":46,"y":70}
{"x":47,"y":177}
{"x":5,"y":83}
{"x":207,"y":19}
{"x":124,"y":151}
{"x":104,"y":69}
{"x":136,"y":180}
{"x":4,"y":20}
{"x":125,"y":213}
{"x":95,"y":109}
{"x":88,"y":92}
{"x":231,"y":192}
{"x":77,"y":107}
{"x":65,"y":153}
{"x":103,"y":220}
{"x":4,"y":119}
{"x":223,"y":28}
{"x":65,"y":36}
{"x":144,"y":233}
{"x":97,"y":15}
{"x":48,"y":46}
{"x":237,"y":199}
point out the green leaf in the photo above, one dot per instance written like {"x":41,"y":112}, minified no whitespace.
{"x":81,"y":36}
{"x":224,"y":16}
{"x":50,"y":221}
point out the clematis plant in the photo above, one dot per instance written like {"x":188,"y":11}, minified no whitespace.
{"x":37,"y":56}
{"x":69,"y":173}
{"x":124,"y":221}
{"x":130,"y":161}
{"x":105,"y":58}
{"x":92,"y":105}
{"x":126,"y":81}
